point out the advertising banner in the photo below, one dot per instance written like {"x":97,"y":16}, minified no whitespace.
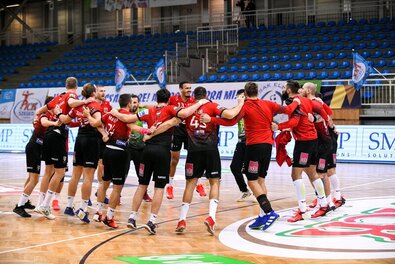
{"x":27,"y":101}
{"x":359,"y":144}
{"x":7,"y":99}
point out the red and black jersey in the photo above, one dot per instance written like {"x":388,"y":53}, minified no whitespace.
{"x":105,"y":107}
{"x":302,"y":128}
{"x":62,"y":101}
{"x":323,"y":131}
{"x":39,"y":129}
{"x":203,"y":136}
{"x":116,"y":129}
{"x":156,"y":116}
{"x":176,"y":100}
{"x":85,"y":127}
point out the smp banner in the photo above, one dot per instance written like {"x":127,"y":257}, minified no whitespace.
{"x":358,"y":144}
{"x":7,"y":98}
{"x":27,"y":101}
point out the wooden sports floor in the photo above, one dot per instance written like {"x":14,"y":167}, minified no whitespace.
{"x":68,"y":240}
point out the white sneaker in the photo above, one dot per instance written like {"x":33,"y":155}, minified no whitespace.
{"x":244,"y":196}
{"x":45,"y":212}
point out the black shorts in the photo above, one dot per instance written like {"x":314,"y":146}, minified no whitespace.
{"x":102,"y":147}
{"x":155,"y":162}
{"x":179,"y":137}
{"x":86,"y":151}
{"x":324,"y":150}
{"x":135,"y":156}
{"x":54,"y":150}
{"x":257,"y":160}
{"x":116,"y":166}
{"x":199,"y":162}
{"x":305,"y":153}
{"x":332,"y":156}
{"x":33,"y":152}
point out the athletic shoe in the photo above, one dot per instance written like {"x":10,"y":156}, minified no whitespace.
{"x":181,"y":226}
{"x":258,"y":223}
{"x":131,"y":223}
{"x":169,"y":192}
{"x":321,"y":212}
{"x":209,"y":222}
{"x":55,"y":205}
{"x":200,"y":190}
{"x":340,"y":202}
{"x":147,"y":198}
{"x":69,"y":211}
{"x":270,"y":219}
{"x":28,"y":205}
{"x":98,"y":217}
{"x":106,"y":200}
{"x":20,"y":210}
{"x":297,"y":217}
{"x":150,"y":227}
{"x":244,"y":196}
{"x":89,"y":202}
{"x":110,"y":222}
{"x":83,"y":216}
{"x":313,"y":203}
{"x":46,"y":212}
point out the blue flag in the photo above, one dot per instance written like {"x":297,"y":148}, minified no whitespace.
{"x":360,"y":71}
{"x":160,"y":73}
{"x":121,"y":74}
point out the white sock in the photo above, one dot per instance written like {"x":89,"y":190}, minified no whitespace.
{"x":84,"y":205}
{"x":319,"y":188}
{"x":336,"y":186}
{"x":99,"y":207}
{"x":301,"y":194}
{"x":329,"y":199}
{"x":48,"y":198}
{"x":184,"y":211}
{"x":23,"y":199}
{"x":213,"y":208}
{"x":41,"y":197}
{"x":57,"y":196}
{"x":133,"y":215}
{"x":171,"y":179}
{"x":261,"y":212}
{"x":110,"y":213}
{"x":152,"y":218}
{"x":70,"y":200}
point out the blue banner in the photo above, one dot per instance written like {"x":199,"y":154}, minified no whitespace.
{"x":160,"y":74}
{"x":7,"y":98}
{"x":360,"y":71}
{"x":121,"y":74}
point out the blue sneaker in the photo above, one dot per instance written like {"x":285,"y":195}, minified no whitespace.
{"x":106,"y":200}
{"x":89,"y":202}
{"x":270,"y":219}
{"x":259,"y":222}
{"x":83,"y":216}
{"x":69,"y":211}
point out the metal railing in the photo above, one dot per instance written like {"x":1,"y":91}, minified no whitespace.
{"x":378,"y":92}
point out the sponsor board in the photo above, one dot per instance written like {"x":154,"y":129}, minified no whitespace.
{"x":360,"y":229}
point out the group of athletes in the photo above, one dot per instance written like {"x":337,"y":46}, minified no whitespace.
{"x":109,"y":139}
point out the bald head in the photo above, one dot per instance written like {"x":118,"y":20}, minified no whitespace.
{"x":310,"y":88}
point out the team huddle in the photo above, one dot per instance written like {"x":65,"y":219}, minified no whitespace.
{"x":109,"y":139}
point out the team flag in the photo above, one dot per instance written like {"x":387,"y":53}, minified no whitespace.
{"x":121,"y":74}
{"x":160,"y":73}
{"x":360,"y":71}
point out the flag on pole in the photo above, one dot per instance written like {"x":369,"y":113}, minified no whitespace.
{"x":360,"y":71}
{"x":121,"y":74}
{"x":160,"y":73}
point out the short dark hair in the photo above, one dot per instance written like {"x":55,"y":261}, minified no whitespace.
{"x":162,"y":96}
{"x":293,"y":85}
{"x":319,"y":95}
{"x":241,"y":91}
{"x":182,"y":84}
{"x":71,"y":83}
{"x":124,"y":100}
{"x":135,"y":96}
{"x":200,"y":93}
{"x":88,"y":90}
{"x":251,"y":89}
{"x":48,"y":99}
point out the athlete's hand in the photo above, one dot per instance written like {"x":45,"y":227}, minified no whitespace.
{"x":203,"y":101}
{"x":310,"y":117}
{"x":205,"y":118}
{"x":274,"y":126}
{"x":147,"y":137}
{"x":89,"y":100}
{"x":58,"y":122}
{"x":86,"y":111}
{"x":57,"y":110}
{"x":114,"y":112}
{"x":240,"y":99}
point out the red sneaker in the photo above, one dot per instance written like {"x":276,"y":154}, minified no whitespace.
{"x":321,"y":212}
{"x":209,"y":222}
{"x":147,"y":198}
{"x":297,"y":217}
{"x":181,"y":226}
{"x":313,"y":203}
{"x":340,"y":202}
{"x":98,"y":217}
{"x":110,"y":222}
{"x":169,"y":192}
{"x":55,"y":205}
{"x":200,"y":190}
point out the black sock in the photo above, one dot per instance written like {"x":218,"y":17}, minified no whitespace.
{"x":264,"y":203}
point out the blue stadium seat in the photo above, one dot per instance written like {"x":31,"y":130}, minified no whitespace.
{"x":276,"y":67}
{"x":323,"y":75}
{"x":233,"y":60}
{"x":244,"y":77}
{"x":243,"y":60}
{"x":299,"y":76}
{"x":285,"y":57}
{"x":311,"y":75}
{"x":202,"y":79}
{"x":254,"y":68}
{"x":331,"y":65}
{"x":233,"y":78}
{"x":389,"y":54}
{"x":255,"y":77}
{"x":287,"y":66}
{"x":377,"y":54}
{"x":265,"y":67}
{"x":223,"y":78}
{"x":212,"y":78}
{"x":335,"y":75}
{"x":380,"y":63}
{"x":297,"y":66}
{"x":288,"y":76}
{"x":222,"y":69}
{"x":277,"y":76}
{"x":233,"y":68}
{"x":295,"y":57}
{"x":253,"y":59}
{"x":330,"y":56}
{"x":264,"y":59}
{"x":243,"y":68}
{"x":309,"y":66}
{"x":346,"y":74}
{"x":344,"y":64}
{"x":274,"y":58}
{"x":391,"y":63}
{"x":365,"y":54}
{"x":265,"y":77}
